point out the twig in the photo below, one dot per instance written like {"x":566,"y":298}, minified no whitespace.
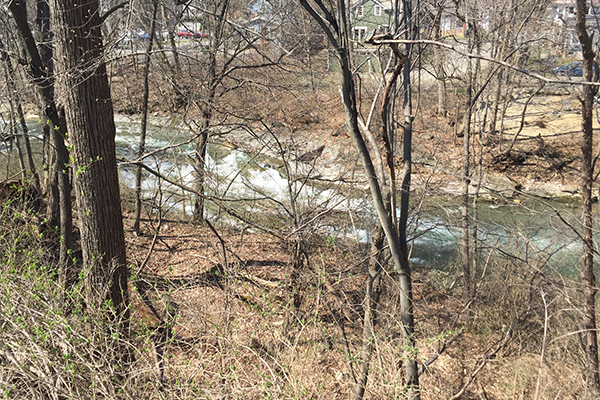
{"x":340,"y":323}
{"x":539,"y":378}
{"x":112,"y":10}
{"x":150,"y":250}
{"x":486,"y":58}
{"x":212,"y":228}
{"x":483,"y":360}
{"x":438,"y":353}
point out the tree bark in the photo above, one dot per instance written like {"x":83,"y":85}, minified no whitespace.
{"x":406,"y":296}
{"x":212,"y":80}
{"x":592,"y":379}
{"x":90,"y":123}
{"x":51,"y":178}
{"x":439,"y":61}
{"x":466,"y":179}
{"x":376,"y":262}
{"x":496,"y":103}
{"x":40,"y":74}
{"x":10,"y":73}
{"x":371,"y":303}
{"x":171,"y":33}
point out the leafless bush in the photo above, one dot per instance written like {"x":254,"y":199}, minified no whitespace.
{"x":53,"y":345}
{"x":533,"y":304}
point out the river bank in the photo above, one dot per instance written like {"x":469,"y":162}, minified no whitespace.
{"x":542,"y":164}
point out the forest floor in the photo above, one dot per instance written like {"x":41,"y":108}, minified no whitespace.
{"x":253,"y":320}
{"x":236,"y":332}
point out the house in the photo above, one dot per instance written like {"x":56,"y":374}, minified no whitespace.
{"x":368,"y":16}
{"x":561,"y":16}
{"x":564,"y":10}
{"x":451,"y":25}
{"x":261,"y":16}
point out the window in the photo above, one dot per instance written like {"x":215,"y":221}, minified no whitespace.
{"x":360,"y":11}
{"x":570,"y":11}
{"x":377,"y":11}
{"x":383,"y":29}
{"x":360,"y":32}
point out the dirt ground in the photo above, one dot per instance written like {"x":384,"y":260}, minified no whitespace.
{"x":544,"y":160}
{"x":227,"y":299}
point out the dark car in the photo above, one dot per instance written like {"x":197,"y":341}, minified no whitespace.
{"x":190,"y":34}
{"x":574,"y":69}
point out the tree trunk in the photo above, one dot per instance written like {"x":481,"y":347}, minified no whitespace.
{"x":14,"y":96}
{"x":51,"y":180}
{"x":406,"y":297}
{"x":439,"y":61}
{"x":213,"y":79}
{"x":201,"y":145}
{"x":171,"y":33}
{"x":371,"y":303}
{"x":13,"y":104}
{"x":592,"y":379}
{"x":376,"y":261}
{"x":91,"y":127}
{"x":41,"y":75}
{"x":466,"y":179}
{"x":142,"y":145}
{"x":495,"y":104}
{"x":338,"y":35}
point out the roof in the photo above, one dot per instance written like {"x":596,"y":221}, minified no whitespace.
{"x":386,"y":4}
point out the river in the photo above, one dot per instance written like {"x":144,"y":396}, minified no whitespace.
{"x":256,"y":187}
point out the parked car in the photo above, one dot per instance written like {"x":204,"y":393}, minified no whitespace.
{"x":191,"y":34}
{"x":143,"y":35}
{"x":574,"y":69}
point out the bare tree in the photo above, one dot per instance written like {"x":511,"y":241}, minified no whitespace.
{"x":40,"y":73}
{"x":144,"y":128}
{"x":592,"y":375}
{"x":334,"y":23}
{"x":91,"y":127}
{"x":28,"y":169}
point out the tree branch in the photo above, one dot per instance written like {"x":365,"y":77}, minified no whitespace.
{"x":317,"y":17}
{"x":438,"y":353}
{"x":485,"y":58}
{"x":112,"y":10}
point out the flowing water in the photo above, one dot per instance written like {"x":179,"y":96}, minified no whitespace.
{"x":529,"y":231}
